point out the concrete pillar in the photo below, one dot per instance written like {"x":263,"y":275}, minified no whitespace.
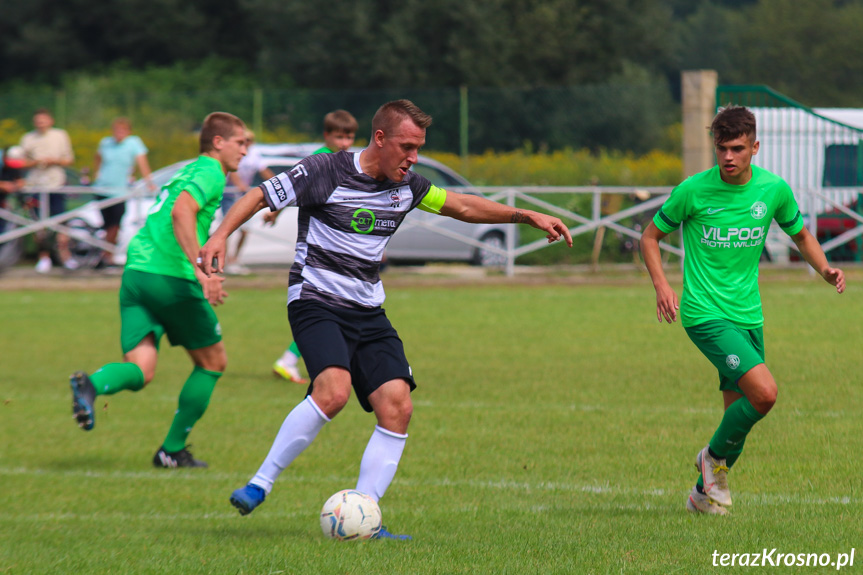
{"x":698,"y":89}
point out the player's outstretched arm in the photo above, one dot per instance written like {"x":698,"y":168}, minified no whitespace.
{"x":211,"y":258}
{"x":667,"y":303}
{"x":811,"y":251}
{"x":479,"y":210}
{"x":270,"y":217}
{"x":185,"y":221}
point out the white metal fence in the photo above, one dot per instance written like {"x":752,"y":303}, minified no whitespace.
{"x":607,"y":210}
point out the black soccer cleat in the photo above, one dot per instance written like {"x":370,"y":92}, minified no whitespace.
{"x":83,"y":398}
{"x":183,"y":458}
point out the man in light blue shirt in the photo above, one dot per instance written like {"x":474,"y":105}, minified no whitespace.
{"x":116,"y":159}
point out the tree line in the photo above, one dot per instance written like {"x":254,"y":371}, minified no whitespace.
{"x":622,"y":56}
{"x":807,"y":48}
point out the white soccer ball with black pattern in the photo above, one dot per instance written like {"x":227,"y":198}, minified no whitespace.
{"x":349,"y":515}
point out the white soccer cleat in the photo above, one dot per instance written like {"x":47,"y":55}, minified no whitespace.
{"x":715,"y":475}
{"x":289,"y":372}
{"x":701,"y":503}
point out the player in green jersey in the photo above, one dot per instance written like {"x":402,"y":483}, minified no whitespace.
{"x":164,"y":292}
{"x":340,"y":130}
{"x":725,"y":213}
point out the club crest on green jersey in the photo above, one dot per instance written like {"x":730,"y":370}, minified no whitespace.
{"x":758,"y":210}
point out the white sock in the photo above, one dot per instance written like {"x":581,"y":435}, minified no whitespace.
{"x":288,"y":358}
{"x":380,"y":461}
{"x":300,"y":428}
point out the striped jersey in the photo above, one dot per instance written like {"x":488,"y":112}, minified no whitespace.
{"x":346,"y":218}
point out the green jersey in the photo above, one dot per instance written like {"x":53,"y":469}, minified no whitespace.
{"x":323,"y":150}
{"x":154,"y":248}
{"x":724,"y":228}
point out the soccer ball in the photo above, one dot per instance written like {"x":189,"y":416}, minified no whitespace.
{"x":349,"y":515}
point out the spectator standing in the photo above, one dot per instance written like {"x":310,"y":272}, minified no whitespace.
{"x":47,"y":151}
{"x":116,"y":160}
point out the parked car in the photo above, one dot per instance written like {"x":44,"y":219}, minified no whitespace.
{"x":416,"y":241}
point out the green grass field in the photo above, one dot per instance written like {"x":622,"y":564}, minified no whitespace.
{"x":554,"y":431}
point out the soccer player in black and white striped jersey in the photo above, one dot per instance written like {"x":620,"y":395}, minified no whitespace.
{"x":350,"y":204}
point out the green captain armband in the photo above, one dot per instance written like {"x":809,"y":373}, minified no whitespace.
{"x":433,"y":200}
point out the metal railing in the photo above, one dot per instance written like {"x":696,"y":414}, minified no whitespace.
{"x":597,"y":217}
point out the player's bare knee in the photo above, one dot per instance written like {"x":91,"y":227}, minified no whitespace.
{"x":768,"y":400}
{"x":395,"y":414}
{"x":149,"y":373}
{"x":765,"y":399}
{"x":332,"y":403}
{"x":339,"y":397}
{"x":405,"y":411}
{"x":213,"y":358}
{"x":218,"y":364}
{"x":331,"y":399}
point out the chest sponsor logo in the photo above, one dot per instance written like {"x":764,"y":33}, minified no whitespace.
{"x":364,"y":221}
{"x":758,"y":210}
{"x":733,"y":237}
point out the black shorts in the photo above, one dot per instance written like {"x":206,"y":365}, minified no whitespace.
{"x":362,"y":341}
{"x":112,"y":215}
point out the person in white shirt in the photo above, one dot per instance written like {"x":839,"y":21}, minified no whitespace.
{"x":47,"y":152}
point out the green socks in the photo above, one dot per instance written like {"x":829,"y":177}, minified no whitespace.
{"x":294,"y":349}
{"x":114,"y":377}
{"x":194,"y":399}
{"x":729,"y":438}
{"x":736,"y":425}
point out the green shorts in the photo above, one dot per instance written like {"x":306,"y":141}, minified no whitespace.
{"x":732,"y":349}
{"x":159,"y":304}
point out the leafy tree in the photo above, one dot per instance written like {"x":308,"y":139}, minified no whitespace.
{"x":363,"y":44}
{"x":42,"y":39}
{"x":807,"y":49}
